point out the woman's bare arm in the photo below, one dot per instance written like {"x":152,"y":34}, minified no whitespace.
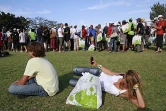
{"x":138,"y":101}
{"x":106,"y":70}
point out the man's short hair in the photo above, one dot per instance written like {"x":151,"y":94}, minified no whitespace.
{"x":37,"y":49}
{"x":66,"y":24}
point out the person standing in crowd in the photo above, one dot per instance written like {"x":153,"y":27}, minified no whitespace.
{"x":32,"y":35}
{"x":87,"y":41}
{"x":39,"y":33}
{"x":109,"y":32}
{"x":76,"y":44}
{"x":84,"y":35}
{"x":45,"y":38}
{"x":71,"y":38}
{"x":99,"y":34}
{"x":160,"y":32}
{"x":147,"y":35}
{"x":22,"y":41}
{"x":131,"y":32}
{"x":123,"y":35}
{"x":113,"y":39}
{"x":67,"y":36}
{"x":118,"y":36}
{"x":61,"y":37}
{"x":53,"y":39}
{"x":92,"y":35}
{"x":15,"y":38}
{"x":105,"y":30}
{"x":9,"y":39}
{"x":140,"y":32}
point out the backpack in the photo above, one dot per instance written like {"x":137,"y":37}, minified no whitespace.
{"x":132,"y":27}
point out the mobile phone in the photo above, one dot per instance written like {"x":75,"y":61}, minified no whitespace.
{"x":91,"y":60}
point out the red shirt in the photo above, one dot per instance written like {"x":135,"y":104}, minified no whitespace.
{"x":159,"y":24}
{"x":0,"y":38}
{"x":109,"y":31}
{"x":83,"y":33}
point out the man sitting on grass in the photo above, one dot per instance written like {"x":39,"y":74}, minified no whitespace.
{"x":40,"y":77}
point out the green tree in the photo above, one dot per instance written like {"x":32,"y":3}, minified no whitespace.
{"x":9,"y":21}
{"x":158,"y":9}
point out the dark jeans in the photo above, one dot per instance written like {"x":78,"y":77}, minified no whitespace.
{"x":159,"y":40}
{"x":113,"y":43}
{"x":86,"y":43}
{"x":15,"y":45}
{"x":72,"y":44}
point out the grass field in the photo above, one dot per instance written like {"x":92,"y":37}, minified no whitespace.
{"x":150,"y":65}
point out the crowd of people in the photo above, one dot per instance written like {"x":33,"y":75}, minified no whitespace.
{"x":113,"y":37}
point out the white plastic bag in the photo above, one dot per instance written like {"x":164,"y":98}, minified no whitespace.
{"x":87,"y":92}
{"x":136,"y":40}
{"x":99,"y":37}
{"x":91,"y":47}
{"x":81,"y":43}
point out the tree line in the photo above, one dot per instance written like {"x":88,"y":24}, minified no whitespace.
{"x":10,"y":21}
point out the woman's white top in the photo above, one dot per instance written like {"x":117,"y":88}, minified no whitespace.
{"x":107,"y":84}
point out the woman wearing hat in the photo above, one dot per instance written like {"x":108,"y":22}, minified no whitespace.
{"x":160,"y":33}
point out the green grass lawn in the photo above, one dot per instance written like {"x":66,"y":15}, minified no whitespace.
{"x":150,"y":65}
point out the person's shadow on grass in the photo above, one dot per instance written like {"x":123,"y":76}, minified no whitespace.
{"x":64,"y":81}
{"x":145,"y":109}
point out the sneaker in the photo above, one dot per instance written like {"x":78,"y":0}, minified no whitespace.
{"x":21,"y":51}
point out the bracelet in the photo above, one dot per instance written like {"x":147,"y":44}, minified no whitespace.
{"x":135,"y":87}
{"x":99,"y":66}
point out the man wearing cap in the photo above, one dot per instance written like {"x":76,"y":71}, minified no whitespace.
{"x":131,"y":33}
{"x":67,"y":36}
{"x":160,"y":32}
{"x":15,"y":37}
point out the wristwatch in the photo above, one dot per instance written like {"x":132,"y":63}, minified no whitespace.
{"x":99,"y":66}
{"x":135,"y":87}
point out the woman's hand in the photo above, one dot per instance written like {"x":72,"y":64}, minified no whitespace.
{"x":94,"y":63}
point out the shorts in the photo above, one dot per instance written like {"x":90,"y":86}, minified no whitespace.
{"x":123,"y":38}
{"x":61,"y":41}
{"x":66,"y":38}
{"x":22,"y":44}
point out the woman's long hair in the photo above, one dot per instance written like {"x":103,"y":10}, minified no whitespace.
{"x":132,"y":78}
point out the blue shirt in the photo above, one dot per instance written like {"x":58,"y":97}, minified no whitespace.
{"x":93,"y":32}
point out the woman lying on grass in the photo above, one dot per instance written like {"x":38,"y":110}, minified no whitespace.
{"x":40,"y":77}
{"x":125,"y":85}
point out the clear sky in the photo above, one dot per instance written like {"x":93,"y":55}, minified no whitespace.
{"x":80,"y":11}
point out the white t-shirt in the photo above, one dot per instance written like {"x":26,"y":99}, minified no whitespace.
{"x":71,"y":33}
{"x":8,"y":33}
{"x":60,"y":31}
{"x":124,"y":27}
{"x":22,"y":37}
{"x":46,"y":75}
{"x":53,"y":29}
{"x":75,"y":31}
